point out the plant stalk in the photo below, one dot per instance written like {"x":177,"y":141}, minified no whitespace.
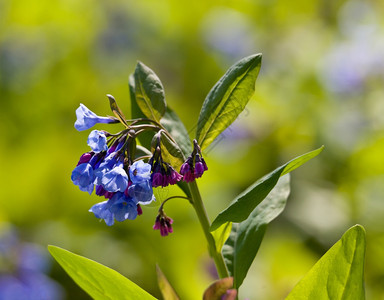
{"x":205,"y":224}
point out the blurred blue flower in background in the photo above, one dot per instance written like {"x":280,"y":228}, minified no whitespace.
{"x":23,"y":268}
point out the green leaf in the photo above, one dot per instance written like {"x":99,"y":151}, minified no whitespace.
{"x":217,"y":289}
{"x":227,"y":99}
{"x":170,"y":150}
{"x":245,"y":203}
{"x":99,"y":281}
{"x":165,"y":287}
{"x":177,"y":130}
{"x":145,"y":138}
{"x":221,"y":234}
{"x":149,"y":92}
{"x":244,"y":242}
{"x":339,"y":274}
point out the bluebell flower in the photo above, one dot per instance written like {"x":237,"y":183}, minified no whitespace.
{"x":101,"y":211}
{"x":123,"y":207}
{"x":97,"y":141}
{"x":115,"y":180}
{"x":105,"y":166}
{"x":142,"y":192}
{"x":83,"y":177}
{"x":87,"y":119}
{"x":120,"y":208}
{"x":139,"y":171}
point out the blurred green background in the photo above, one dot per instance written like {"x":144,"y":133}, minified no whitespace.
{"x":321,"y":83}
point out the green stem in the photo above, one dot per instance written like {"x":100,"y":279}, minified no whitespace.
{"x":205,"y":224}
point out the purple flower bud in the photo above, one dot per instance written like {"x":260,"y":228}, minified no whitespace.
{"x":97,"y":141}
{"x":87,"y":119}
{"x":139,"y":210}
{"x":164,"y":224}
{"x":85,"y":158}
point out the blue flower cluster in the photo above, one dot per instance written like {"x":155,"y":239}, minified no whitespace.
{"x":112,"y":170}
{"x":106,"y":170}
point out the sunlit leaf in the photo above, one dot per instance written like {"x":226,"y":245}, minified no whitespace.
{"x":145,"y":138}
{"x":217,"y":289}
{"x":244,"y":242}
{"x":99,"y":281}
{"x":176,"y":128}
{"x":149,"y":92}
{"x":227,"y":99}
{"x":245,"y":203}
{"x":221,"y":234}
{"x":165,"y":287}
{"x":339,"y":274}
{"x":170,"y":150}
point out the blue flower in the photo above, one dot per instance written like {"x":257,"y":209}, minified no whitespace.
{"x":101,"y":211}
{"x":87,"y":118}
{"x":97,"y":141}
{"x":142,"y":192}
{"x":119,"y":208}
{"x":83,"y":177}
{"x":116,"y":179}
{"x":139,"y":171}
{"x":123,"y":207}
{"x":108,"y":164}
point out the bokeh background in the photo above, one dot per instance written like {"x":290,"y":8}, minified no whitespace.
{"x":321,"y":83}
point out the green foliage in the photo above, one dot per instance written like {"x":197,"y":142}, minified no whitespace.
{"x":227,"y":99}
{"x":149,"y":92}
{"x":241,"y":247}
{"x":176,"y":128}
{"x":243,"y":205}
{"x":165,"y":287}
{"x":339,"y":274}
{"x":99,"y":281}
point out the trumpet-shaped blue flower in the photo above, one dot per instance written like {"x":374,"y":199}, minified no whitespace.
{"x":102,"y":211}
{"x":83,"y":177}
{"x":120,"y":208}
{"x":123,"y":207}
{"x":97,"y":141}
{"x":87,"y":118}
{"x":115,"y":180}
{"x":140,"y":171}
{"x":142,"y":192}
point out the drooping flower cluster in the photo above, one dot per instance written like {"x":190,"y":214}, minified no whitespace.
{"x":112,"y":169}
{"x":163,"y":173}
{"x":194,"y":166}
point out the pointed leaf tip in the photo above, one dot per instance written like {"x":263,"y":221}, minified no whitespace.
{"x":99,"y":281}
{"x":339,"y":274}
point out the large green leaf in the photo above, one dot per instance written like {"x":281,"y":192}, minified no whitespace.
{"x":241,"y":247}
{"x":166,"y":289}
{"x":227,"y":99}
{"x":149,"y":92}
{"x":177,"y":130}
{"x":145,"y":138}
{"x":245,"y":203}
{"x":170,"y":150}
{"x":99,"y":281}
{"x":339,"y":274}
